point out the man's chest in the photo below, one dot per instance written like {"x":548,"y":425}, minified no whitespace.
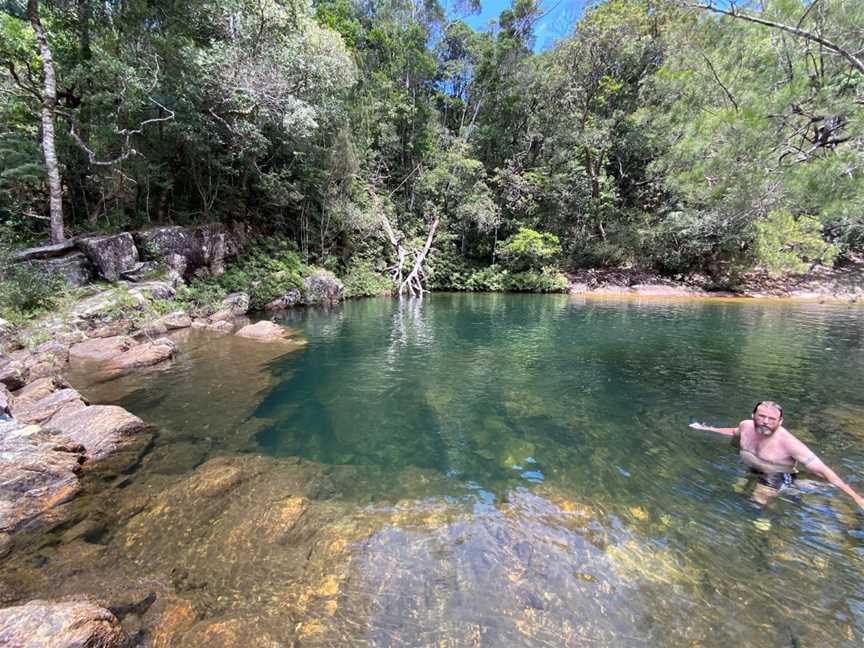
{"x":767,"y":448}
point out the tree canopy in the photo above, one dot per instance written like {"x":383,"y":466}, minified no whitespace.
{"x":675,"y":135}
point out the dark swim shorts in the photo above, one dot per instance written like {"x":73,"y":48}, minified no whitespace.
{"x":775,"y":480}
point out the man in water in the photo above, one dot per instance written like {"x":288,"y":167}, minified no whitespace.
{"x":774,"y":452}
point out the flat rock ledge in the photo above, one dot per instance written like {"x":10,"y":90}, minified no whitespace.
{"x":60,"y":624}
{"x":122,"y":353}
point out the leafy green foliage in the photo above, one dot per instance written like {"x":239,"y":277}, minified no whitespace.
{"x":652,"y":135}
{"x":451,"y":272}
{"x":25,"y":291}
{"x":269,"y":269}
{"x":788,"y":244}
{"x":528,"y":250}
{"x":267,"y":272}
{"x":363,"y":280}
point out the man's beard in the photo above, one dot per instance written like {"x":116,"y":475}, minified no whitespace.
{"x":764,"y":430}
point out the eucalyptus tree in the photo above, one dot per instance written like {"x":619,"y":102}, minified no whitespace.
{"x":593,"y":159}
{"x":763,"y":132}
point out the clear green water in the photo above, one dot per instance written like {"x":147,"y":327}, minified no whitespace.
{"x":501,"y":391}
{"x":593,"y":398}
{"x":589,"y":513}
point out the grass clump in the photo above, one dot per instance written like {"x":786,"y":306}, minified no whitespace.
{"x":25,"y":291}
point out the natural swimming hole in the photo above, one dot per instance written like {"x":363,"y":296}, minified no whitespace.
{"x":488,"y":470}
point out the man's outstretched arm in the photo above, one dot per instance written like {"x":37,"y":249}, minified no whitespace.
{"x":814,"y":464}
{"x":710,"y":428}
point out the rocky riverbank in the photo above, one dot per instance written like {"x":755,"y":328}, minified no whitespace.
{"x":842,"y":284}
{"x":57,"y":450}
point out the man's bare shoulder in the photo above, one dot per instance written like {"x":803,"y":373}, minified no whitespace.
{"x":746,"y":424}
{"x":788,"y":439}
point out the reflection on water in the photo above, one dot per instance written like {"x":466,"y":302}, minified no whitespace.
{"x":486,"y":470}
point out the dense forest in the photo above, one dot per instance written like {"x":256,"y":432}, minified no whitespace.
{"x":671,"y":135}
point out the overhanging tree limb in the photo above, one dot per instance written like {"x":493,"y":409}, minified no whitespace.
{"x":734,"y":12}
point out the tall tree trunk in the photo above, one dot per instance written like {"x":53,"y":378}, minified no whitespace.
{"x":49,"y":105}
{"x":84,"y":29}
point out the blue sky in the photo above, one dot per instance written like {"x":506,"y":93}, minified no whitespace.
{"x":556,"y":23}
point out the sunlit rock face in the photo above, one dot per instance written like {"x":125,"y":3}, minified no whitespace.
{"x":113,"y":438}
{"x":38,"y":478}
{"x":191,"y":251}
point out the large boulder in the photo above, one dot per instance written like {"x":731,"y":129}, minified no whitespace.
{"x":190,"y":251}
{"x":322,"y":287}
{"x":237,"y":303}
{"x":111,"y":436}
{"x":38,"y":477}
{"x":112,"y":255}
{"x":287,"y":300}
{"x":232,"y":306}
{"x":60,"y":624}
{"x":75,"y":267}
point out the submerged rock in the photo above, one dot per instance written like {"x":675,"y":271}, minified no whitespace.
{"x":60,"y":624}
{"x":142,"y":355}
{"x":177,"y":320}
{"x":221,"y":326}
{"x":264,"y":331}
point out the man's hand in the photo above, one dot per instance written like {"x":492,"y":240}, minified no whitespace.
{"x":702,"y":426}
{"x":711,"y":428}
